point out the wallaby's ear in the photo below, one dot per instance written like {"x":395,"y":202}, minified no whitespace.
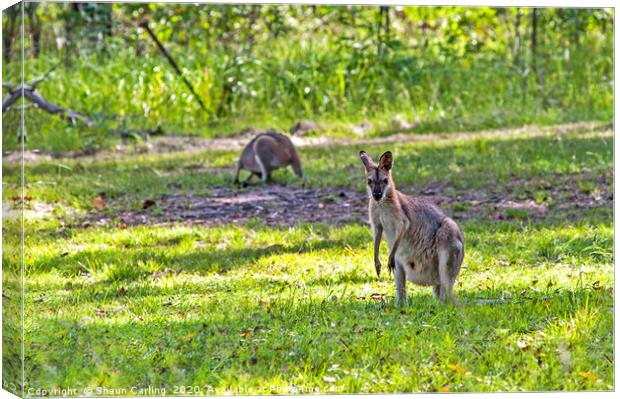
{"x":366,"y":160}
{"x":385,"y":162}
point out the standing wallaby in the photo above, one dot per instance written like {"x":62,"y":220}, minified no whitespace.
{"x":426,"y":246}
{"x":265,"y":153}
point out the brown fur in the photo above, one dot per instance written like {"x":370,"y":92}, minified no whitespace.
{"x":265,"y":153}
{"x":426,"y":246}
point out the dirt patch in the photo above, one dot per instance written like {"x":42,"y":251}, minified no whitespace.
{"x":30,"y":210}
{"x":534,"y":199}
{"x":526,"y":207}
{"x":15,"y":158}
{"x":277,"y":205}
{"x":272,"y":205}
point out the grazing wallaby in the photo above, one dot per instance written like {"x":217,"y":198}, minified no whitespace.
{"x":265,"y":153}
{"x":426,"y":246}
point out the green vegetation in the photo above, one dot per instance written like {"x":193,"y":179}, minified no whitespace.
{"x":152,"y":306}
{"x":255,"y":309}
{"x":436,"y":69}
{"x":215,"y":305}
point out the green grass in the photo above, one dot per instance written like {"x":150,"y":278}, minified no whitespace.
{"x":256,"y":309}
{"x":461,"y":163}
{"x":234,"y":308}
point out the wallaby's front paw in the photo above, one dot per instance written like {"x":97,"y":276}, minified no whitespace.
{"x":391,"y":264}
{"x":378,"y":268}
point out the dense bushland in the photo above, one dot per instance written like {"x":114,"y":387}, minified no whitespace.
{"x":412,"y":68}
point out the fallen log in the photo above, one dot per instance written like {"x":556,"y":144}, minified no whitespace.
{"x":13,"y":96}
{"x":42,"y":103}
{"x":54,"y":109}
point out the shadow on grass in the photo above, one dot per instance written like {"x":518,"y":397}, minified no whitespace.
{"x":134,"y":262}
{"x":257,"y":342}
{"x":124,"y":263}
{"x":104,"y":294}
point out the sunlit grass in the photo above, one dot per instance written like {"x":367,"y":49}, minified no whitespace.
{"x":238,"y":308}
{"x":243,"y":307}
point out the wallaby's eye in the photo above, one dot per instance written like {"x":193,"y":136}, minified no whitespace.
{"x":369,"y":181}
{"x":384,"y":181}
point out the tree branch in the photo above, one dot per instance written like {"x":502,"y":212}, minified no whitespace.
{"x":43,"y":104}
{"x":145,"y":24}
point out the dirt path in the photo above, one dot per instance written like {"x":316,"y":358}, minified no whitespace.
{"x":277,"y":205}
{"x":272,"y":205}
{"x":190,"y":145}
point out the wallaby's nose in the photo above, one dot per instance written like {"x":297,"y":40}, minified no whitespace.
{"x":377,"y":195}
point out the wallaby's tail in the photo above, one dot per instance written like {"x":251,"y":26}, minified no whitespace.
{"x":296,"y":163}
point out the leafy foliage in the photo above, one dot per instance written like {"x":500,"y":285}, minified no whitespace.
{"x":440,"y":68}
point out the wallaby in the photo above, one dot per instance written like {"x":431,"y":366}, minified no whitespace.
{"x":265,"y":153}
{"x":426,"y":246}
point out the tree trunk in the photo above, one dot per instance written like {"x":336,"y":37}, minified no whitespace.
{"x":34,"y":27}
{"x":577,"y":30}
{"x":107,"y":24}
{"x":379,"y":19}
{"x":387,"y":22}
{"x":9,"y":32}
{"x":517,"y":45}
{"x":71,"y":20}
{"x":534,"y":41}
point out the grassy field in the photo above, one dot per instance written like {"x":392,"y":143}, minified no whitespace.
{"x":296,"y":307}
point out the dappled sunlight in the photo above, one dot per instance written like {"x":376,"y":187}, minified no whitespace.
{"x":135,"y":260}
{"x":306,"y":325}
{"x":238,"y":299}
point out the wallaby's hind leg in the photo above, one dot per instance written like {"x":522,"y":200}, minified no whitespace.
{"x":450,"y":253}
{"x":437,"y":291}
{"x":450,"y":260}
{"x":447,"y":281}
{"x":401,"y":285}
{"x":262,"y":155}
{"x":263,"y":169}
{"x":236,"y":181}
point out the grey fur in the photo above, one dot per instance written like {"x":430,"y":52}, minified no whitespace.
{"x":265,"y":153}
{"x":426,"y":246}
